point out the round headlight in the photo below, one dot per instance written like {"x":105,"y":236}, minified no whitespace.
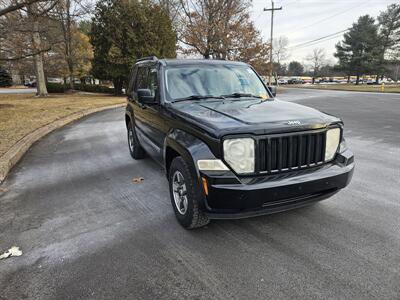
{"x":239,"y":154}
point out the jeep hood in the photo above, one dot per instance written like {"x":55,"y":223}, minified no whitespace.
{"x":252,"y":116}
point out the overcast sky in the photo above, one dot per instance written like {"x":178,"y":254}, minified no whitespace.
{"x":306,"y":20}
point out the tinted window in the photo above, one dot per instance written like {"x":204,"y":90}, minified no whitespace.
{"x":207,"y":79}
{"x":132,"y":77}
{"x":153,"y":81}
{"x":141,"y":78}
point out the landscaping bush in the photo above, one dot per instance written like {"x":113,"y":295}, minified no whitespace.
{"x":94,"y":88}
{"x":62,"y":88}
{"x":55,"y":87}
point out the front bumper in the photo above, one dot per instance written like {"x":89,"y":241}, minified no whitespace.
{"x":233,"y":198}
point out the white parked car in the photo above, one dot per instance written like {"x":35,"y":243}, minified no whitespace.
{"x":54,"y":80}
{"x":282,"y":81}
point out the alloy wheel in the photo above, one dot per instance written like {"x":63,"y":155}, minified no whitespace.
{"x":180,"y":192}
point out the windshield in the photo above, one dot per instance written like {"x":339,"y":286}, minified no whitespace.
{"x":212,"y":80}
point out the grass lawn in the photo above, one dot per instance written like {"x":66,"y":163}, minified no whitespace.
{"x":389,"y":88}
{"x":22,"y":114}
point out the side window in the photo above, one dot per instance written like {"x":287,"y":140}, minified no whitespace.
{"x":141,"y":78}
{"x":153,"y":81}
{"x":132,"y":78}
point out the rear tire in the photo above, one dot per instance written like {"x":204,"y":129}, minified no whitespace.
{"x":185,"y":194}
{"x":136,"y":151}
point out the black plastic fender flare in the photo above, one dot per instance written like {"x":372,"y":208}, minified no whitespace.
{"x":190,"y":148}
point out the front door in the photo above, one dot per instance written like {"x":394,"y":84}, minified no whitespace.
{"x":148,"y":121}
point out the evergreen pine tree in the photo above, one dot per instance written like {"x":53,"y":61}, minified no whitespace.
{"x":122,"y":31}
{"x":358,"y":51}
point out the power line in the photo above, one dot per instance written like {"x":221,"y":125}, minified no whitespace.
{"x":334,"y":15}
{"x":319,"y":39}
{"x":315,"y":43}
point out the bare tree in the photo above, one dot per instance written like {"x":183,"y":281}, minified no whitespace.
{"x":173,"y":9}
{"x":67,"y":13}
{"x":16,"y":36}
{"x":206,"y":27}
{"x":317,"y":59}
{"x":21,"y":36}
{"x":280,"y":49}
{"x":10,"y":6}
{"x":221,"y":29}
{"x":34,"y":15}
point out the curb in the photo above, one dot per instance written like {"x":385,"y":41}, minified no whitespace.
{"x":333,"y":90}
{"x":14,"y":154}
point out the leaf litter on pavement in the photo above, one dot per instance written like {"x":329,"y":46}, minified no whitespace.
{"x":137,"y":179}
{"x":13,"y":251}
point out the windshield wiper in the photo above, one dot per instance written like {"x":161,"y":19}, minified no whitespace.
{"x":240,"y":95}
{"x":198,"y":97}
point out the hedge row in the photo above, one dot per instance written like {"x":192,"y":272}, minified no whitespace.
{"x":62,"y":88}
{"x":55,"y":87}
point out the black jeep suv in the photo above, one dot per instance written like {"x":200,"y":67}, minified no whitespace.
{"x":229,"y":148}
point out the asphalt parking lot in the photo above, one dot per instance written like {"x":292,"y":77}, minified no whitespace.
{"x":87,"y":231}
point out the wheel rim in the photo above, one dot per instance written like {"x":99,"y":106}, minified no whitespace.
{"x":131,"y":139}
{"x":180,"y":193}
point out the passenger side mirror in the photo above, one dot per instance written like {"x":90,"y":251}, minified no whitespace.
{"x":145,"y":97}
{"x":272,"y":89}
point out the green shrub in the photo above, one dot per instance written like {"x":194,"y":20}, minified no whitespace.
{"x":94,"y":88}
{"x":55,"y":87}
{"x":91,"y":88}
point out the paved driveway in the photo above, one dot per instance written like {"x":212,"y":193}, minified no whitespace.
{"x":18,"y":91}
{"x":88,"y":232}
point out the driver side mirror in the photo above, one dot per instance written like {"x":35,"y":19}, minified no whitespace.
{"x":272,"y":89}
{"x":145,"y":97}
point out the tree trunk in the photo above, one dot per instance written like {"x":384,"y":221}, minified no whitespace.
{"x":348,"y":78}
{"x":358,"y":79}
{"x":396,"y":76}
{"x":38,"y":61}
{"x":65,"y":21}
{"x":69,"y":45}
{"x":118,"y":82}
{"x":71,"y":81}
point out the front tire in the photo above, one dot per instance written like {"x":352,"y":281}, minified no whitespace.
{"x":185,"y":195}
{"x":136,"y":151}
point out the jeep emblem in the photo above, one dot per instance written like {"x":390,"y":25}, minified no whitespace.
{"x":294,"y":122}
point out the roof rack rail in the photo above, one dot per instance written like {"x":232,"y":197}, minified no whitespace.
{"x":147,"y":58}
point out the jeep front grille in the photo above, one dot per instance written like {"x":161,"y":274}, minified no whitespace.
{"x":291,"y":151}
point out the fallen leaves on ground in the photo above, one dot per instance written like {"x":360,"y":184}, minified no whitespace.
{"x":13,"y":251}
{"x":137,"y":179}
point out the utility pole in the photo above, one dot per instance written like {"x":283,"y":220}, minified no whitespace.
{"x":272,"y":9}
